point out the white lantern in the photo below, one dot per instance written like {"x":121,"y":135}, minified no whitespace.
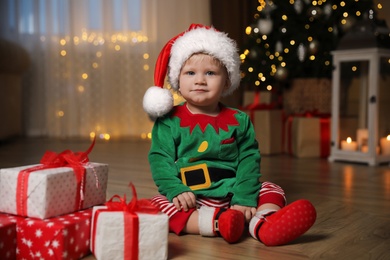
{"x":360,"y":120}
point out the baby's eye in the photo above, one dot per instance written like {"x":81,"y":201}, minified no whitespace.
{"x":190,"y":73}
{"x":210,"y":73}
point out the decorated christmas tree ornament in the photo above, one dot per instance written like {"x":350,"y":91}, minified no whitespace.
{"x":313,"y":47}
{"x":301,"y":52}
{"x":253,"y":54}
{"x":279,"y":46}
{"x":327,"y":10}
{"x":281,"y":73}
{"x":298,"y":6}
{"x":265,"y":25}
{"x":197,"y":39}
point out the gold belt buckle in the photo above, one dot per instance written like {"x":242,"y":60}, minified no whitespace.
{"x":206,"y":174}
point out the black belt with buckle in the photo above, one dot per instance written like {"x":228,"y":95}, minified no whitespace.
{"x":200,"y":176}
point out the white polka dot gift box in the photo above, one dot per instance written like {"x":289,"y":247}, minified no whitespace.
{"x":123,"y":231}
{"x":63,"y":183}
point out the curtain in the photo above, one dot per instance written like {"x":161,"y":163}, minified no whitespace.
{"x":92,"y":60}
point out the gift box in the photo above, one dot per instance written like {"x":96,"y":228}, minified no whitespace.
{"x":129,"y":231}
{"x":65,"y":237}
{"x":268,"y":126}
{"x":257,"y":97}
{"x":307,"y":136}
{"x":308,"y":94}
{"x":7,"y":236}
{"x":51,"y":192}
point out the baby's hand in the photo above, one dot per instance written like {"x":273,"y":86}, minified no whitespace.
{"x":248,"y":212}
{"x":185,"y":201}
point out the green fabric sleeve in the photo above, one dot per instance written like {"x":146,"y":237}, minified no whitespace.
{"x":162,"y":156}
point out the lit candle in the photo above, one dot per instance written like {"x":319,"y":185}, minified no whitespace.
{"x":348,"y":145}
{"x":385,"y":145}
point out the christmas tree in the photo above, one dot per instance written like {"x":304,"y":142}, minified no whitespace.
{"x":291,"y":39}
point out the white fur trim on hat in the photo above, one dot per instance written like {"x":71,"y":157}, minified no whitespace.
{"x":157,"y":101}
{"x":209,"y":41}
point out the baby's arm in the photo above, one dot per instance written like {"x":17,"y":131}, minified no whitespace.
{"x":248,"y":212}
{"x":185,"y":201}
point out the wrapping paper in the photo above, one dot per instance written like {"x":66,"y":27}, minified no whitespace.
{"x":129,"y":231}
{"x":268,"y":125}
{"x":7,"y":236}
{"x":262,"y":97}
{"x":52,"y":192}
{"x":307,"y":136}
{"x":64,"y":237}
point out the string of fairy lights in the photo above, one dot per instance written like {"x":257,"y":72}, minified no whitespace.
{"x":98,"y":44}
{"x":268,"y":60}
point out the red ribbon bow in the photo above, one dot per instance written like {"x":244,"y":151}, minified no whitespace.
{"x":131,"y":222}
{"x":67,"y":158}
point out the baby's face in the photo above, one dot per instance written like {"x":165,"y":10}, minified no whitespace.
{"x":202,"y":81}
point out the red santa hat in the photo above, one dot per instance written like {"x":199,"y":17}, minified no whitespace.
{"x":158,"y":101}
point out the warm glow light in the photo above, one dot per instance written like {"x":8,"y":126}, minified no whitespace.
{"x":248,"y":30}
{"x":60,"y":113}
{"x":80,"y":88}
{"x":388,"y":138}
{"x":146,"y":67}
{"x":98,"y":54}
{"x":84,"y":75}
{"x":349,"y":140}
{"x":92,"y":135}
{"x":63,"y":53}
{"x":146,"y":56}
{"x":117,"y":47}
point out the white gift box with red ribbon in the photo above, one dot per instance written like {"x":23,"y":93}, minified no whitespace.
{"x":133,"y":231}
{"x":51,"y":192}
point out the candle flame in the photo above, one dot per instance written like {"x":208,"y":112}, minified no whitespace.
{"x":388,"y":138}
{"x":349,"y":140}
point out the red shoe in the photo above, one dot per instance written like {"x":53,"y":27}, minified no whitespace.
{"x":287,"y":224}
{"x":229,"y":224}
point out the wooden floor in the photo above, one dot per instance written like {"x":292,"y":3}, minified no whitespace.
{"x":352,"y":200}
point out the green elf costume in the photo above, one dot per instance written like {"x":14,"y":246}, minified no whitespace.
{"x":214,"y":157}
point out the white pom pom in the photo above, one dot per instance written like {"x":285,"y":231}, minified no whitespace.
{"x":157,"y":101}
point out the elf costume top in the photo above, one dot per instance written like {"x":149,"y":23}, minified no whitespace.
{"x":214,"y":157}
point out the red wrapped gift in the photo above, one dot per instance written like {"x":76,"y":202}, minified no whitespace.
{"x":8,"y":236}
{"x":307,"y":135}
{"x":64,"y":237}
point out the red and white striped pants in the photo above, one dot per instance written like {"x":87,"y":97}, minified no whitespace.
{"x":269,"y":193}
